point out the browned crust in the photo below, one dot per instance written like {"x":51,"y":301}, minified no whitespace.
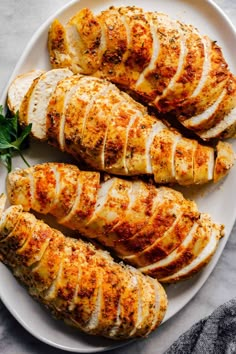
{"x":184,"y":254}
{"x":23,"y":112}
{"x":224,"y":160}
{"x":44,"y":188}
{"x":216,"y":81}
{"x":161,"y":247}
{"x":90,"y":56}
{"x":190,"y":74}
{"x":162,"y":156}
{"x":57,"y":46}
{"x":66,"y":189}
{"x":56,"y":109}
{"x":88,"y":189}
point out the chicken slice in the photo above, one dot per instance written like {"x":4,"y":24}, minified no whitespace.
{"x":111,"y":288}
{"x":88,"y":291}
{"x":190,"y":248}
{"x":44,"y":272}
{"x":161,"y":299}
{"x":21,"y":183}
{"x":139,"y":209}
{"x":212,"y":115}
{"x":148,"y":296}
{"x":34,"y":247}
{"x":213,"y":81}
{"x":163,"y":245}
{"x":184,"y":161}
{"x":115,"y":44}
{"x":139,"y":139}
{"x":204,"y":119}
{"x":16,"y":233}
{"x":79,"y":113}
{"x":156,"y":47}
{"x":159,"y":234}
{"x":43,"y":188}
{"x":163,"y":155}
{"x":57,"y":109}
{"x":97,"y":125}
{"x":139,"y":52}
{"x":9,"y":219}
{"x":226,"y":128}
{"x":65,"y":189}
{"x":85,"y":202}
{"x":179,"y":68}
{"x":129,"y":307}
{"x":58,"y":46}
{"x":115,"y":149}
{"x":24,"y":104}
{"x":110,"y":208}
{"x":85,"y":46}
{"x":189,"y":72}
{"x":34,"y":105}
{"x":203,"y":258}
{"x":204,"y":164}
{"x":19,"y":88}
{"x":223,"y":160}
{"x":164,"y":65}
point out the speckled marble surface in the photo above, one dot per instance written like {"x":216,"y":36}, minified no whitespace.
{"x":19,"y":19}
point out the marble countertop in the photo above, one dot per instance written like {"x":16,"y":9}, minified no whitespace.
{"x":19,"y":19}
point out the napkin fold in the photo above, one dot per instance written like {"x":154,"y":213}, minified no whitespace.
{"x":215,"y":334}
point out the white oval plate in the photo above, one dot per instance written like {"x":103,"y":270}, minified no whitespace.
{"x":216,"y":200}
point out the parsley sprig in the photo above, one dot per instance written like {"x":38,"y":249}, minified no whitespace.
{"x":11,"y":138}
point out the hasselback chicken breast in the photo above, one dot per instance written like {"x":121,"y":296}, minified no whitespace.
{"x":93,"y":120}
{"x":166,"y":63}
{"x":154,"y":229}
{"x":79,"y":283}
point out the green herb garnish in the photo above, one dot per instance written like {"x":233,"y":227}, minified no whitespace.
{"x":11,"y":138}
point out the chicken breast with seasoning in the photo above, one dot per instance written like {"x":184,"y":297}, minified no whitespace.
{"x":93,"y":120}
{"x":79,"y":283}
{"x":154,"y":229}
{"x":164,"y":62}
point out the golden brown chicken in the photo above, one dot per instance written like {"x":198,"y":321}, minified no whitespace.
{"x":166,"y":63}
{"x":154,"y":229}
{"x":93,"y":120}
{"x":79,"y":283}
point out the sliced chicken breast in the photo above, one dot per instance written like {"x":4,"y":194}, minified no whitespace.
{"x":155,"y":229}
{"x":193,"y":267}
{"x":19,"y":88}
{"x":164,"y":62}
{"x":58,"y":46}
{"x":114,"y":133}
{"x":79,"y":283}
{"x":191,"y":247}
{"x":34,"y":105}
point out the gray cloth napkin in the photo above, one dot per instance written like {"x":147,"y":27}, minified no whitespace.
{"x":215,"y":334}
